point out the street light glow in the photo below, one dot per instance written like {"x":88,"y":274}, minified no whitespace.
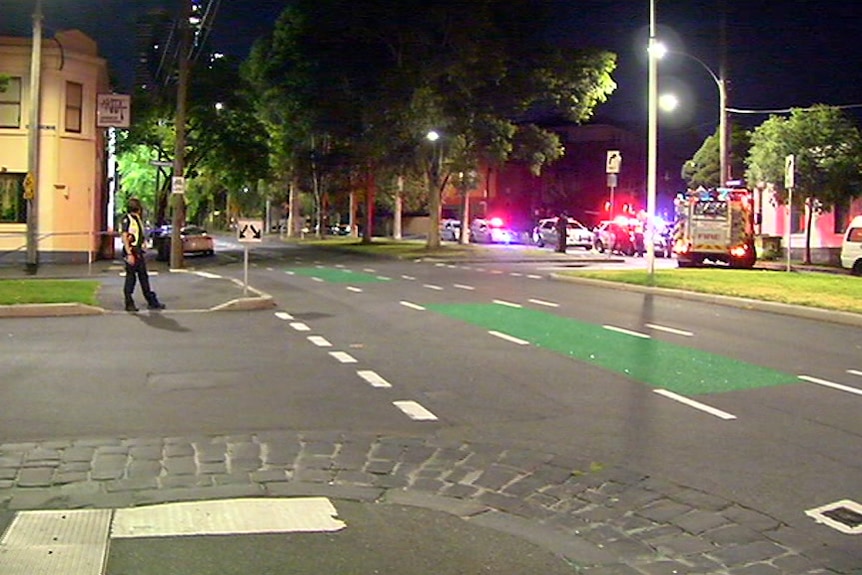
{"x":432,"y":136}
{"x":668,"y":102}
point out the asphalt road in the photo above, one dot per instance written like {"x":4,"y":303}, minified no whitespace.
{"x":474,"y":352}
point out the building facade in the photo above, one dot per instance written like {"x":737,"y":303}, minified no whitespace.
{"x":71,"y":194}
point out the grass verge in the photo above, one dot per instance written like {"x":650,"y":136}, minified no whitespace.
{"x":827,"y":291}
{"x":25,"y":291}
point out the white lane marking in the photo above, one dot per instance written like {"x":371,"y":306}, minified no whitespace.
{"x":209,"y":275}
{"x":319,"y":341}
{"x":339,"y":265}
{"x":411,"y":278}
{"x":439,"y":265}
{"x":451,"y":267}
{"x":854,"y":372}
{"x":496,"y":272}
{"x":412,"y":305}
{"x":543,"y":302}
{"x":626,"y":331}
{"x":354,"y":289}
{"x":833,"y":385}
{"x":821,"y":515}
{"x":290,"y":272}
{"x":667,"y":329}
{"x":466,"y":287}
{"x":373,"y":378}
{"x":414,"y":411}
{"x":227,"y":517}
{"x":320,"y":266}
{"x":695,"y":404}
{"x":509,"y":338}
{"x":317,"y":279}
{"x":480,"y":269}
{"x":283,"y":315}
{"x":267,"y":269}
{"x":369,"y":270}
{"x":516,"y":274}
{"x":384,"y":278}
{"x":299,"y":326}
{"x":507,"y":303}
{"x":343,"y":357}
{"x":432,"y":286}
{"x":534,"y":277}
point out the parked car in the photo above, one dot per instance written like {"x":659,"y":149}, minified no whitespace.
{"x":577,"y":234}
{"x":450,"y":230}
{"x":492,"y":231}
{"x":851,"y":247}
{"x":195,"y":241}
{"x":614,"y":237}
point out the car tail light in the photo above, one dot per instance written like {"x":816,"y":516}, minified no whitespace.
{"x":739,"y":251}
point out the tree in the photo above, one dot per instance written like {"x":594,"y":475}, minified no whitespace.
{"x":827,"y":147}
{"x":704,"y":168}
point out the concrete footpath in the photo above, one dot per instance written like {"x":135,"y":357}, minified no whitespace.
{"x":409,"y":505}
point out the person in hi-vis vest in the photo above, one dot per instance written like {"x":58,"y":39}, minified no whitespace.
{"x":132,"y":228}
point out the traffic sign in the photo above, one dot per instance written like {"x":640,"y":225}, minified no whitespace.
{"x":615,"y":159}
{"x":789,"y":171}
{"x":249,"y":231}
{"x":178,"y":185}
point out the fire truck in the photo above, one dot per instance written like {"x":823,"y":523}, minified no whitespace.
{"x":715,"y":225}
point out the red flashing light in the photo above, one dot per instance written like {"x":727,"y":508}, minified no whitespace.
{"x":496,"y":222}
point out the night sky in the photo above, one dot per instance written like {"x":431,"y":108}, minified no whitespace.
{"x":779,"y":53}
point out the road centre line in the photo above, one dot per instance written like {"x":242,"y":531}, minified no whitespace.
{"x":695,"y":404}
{"x":534,"y":276}
{"x":672,"y":330}
{"x":516,"y":274}
{"x":354,"y":289}
{"x":432,"y":286}
{"x":854,"y":372}
{"x":464,"y":287}
{"x":283,"y":315}
{"x":343,"y":357}
{"x":627,"y":331}
{"x":411,"y":278}
{"x":414,"y":411}
{"x":384,"y":278}
{"x":497,"y":272}
{"x":299,"y":326}
{"x":317,"y":279}
{"x":290,"y":272}
{"x":319,"y":341}
{"x":373,"y":378}
{"x":543,"y":302}
{"x":417,"y":307}
{"x":370,"y":270}
{"x":833,"y":385}
{"x":507,"y":303}
{"x":509,"y":338}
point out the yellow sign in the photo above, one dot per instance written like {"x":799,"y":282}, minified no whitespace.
{"x":29,"y":187}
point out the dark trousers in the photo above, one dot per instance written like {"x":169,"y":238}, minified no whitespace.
{"x":138,"y":272}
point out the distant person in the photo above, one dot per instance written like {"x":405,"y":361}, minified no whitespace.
{"x":132,"y":229}
{"x":562,"y":224}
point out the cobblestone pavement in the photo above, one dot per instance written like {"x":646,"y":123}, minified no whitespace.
{"x":605,"y":520}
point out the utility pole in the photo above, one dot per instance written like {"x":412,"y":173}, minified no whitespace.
{"x":723,"y":125}
{"x":31,"y":184}
{"x":178,"y":188}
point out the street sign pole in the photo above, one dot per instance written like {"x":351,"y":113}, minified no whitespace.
{"x":789,"y":182}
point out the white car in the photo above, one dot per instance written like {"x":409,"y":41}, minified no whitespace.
{"x":577,"y":234}
{"x":491,"y":231}
{"x":851,"y":247}
{"x":450,"y":230}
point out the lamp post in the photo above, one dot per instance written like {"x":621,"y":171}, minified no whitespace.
{"x":32,"y":186}
{"x":652,"y":140}
{"x":434,"y":198}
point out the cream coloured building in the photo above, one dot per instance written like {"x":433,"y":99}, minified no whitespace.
{"x":71,"y":187}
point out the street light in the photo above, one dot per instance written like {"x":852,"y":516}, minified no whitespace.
{"x":434,"y":196}
{"x":32,"y":264}
{"x":652,"y":140}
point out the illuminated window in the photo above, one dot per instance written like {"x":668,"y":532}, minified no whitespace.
{"x":74,"y":106}
{"x":13,"y":206}
{"x":10,"y":104}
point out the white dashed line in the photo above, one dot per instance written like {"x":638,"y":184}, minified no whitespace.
{"x":432,"y":286}
{"x":343,"y":357}
{"x":373,"y":378}
{"x":833,"y":385}
{"x":544,"y":303}
{"x":516,"y":274}
{"x":290,"y":272}
{"x":415,"y":411}
{"x":497,"y":272}
{"x":509,"y":338}
{"x":299,"y":326}
{"x":354,"y":289}
{"x":534,"y":277}
{"x":317,"y":279}
{"x":283,"y":315}
{"x":854,"y":372}
{"x":695,"y":404}
{"x":627,"y":331}
{"x":507,"y":303}
{"x":369,"y":270}
{"x":417,"y":307}
{"x":212,"y":276}
{"x":319,"y":341}
{"x":465,"y":287}
{"x":411,"y":278}
{"x":384,"y":278}
{"x":672,"y":330}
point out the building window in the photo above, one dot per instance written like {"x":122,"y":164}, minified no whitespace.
{"x":13,"y":206}
{"x":797,"y":218}
{"x":74,"y":106}
{"x":841,"y":211}
{"x":10,"y":104}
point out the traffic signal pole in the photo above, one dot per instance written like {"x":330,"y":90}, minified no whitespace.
{"x":177,"y":193}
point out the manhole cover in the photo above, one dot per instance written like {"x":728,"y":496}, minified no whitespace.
{"x":844,"y":515}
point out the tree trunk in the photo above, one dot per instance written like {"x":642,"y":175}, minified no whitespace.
{"x":465,"y":218}
{"x":370,"y":185}
{"x":396,"y":216}
{"x":809,"y":206}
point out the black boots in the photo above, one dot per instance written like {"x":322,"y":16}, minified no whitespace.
{"x":153,"y":302}
{"x":130,"y":305}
